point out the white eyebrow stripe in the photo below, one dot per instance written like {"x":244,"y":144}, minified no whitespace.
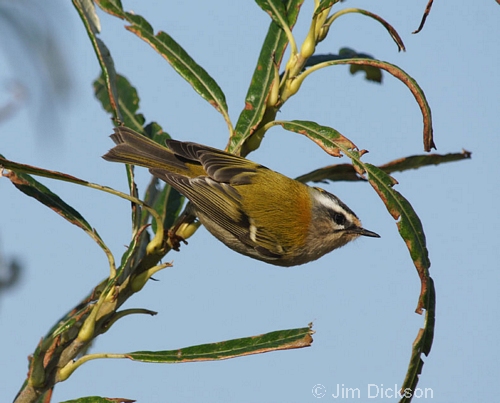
{"x":333,"y":203}
{"x":328,"y":202}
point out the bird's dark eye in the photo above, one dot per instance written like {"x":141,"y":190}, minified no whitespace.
{"x":339,"y":218}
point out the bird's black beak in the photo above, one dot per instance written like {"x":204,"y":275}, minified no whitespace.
{"x":365,"y":232}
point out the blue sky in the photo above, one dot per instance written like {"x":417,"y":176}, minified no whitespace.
{"x":360,"y":298}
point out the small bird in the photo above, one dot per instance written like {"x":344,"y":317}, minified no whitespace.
{"x":253,"y":210}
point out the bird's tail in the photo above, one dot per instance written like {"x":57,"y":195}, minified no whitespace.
{"x":136,"y":149}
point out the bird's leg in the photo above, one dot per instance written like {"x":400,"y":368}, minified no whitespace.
{"x":185,"y":226}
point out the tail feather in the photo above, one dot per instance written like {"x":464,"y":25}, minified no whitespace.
{"x":134,"y":148}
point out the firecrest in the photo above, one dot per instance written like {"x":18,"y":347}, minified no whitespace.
{"x":250,"y":208}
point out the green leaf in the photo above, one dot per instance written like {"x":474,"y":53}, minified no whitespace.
{"x":169,"y":205}
{"x":346,"y":172}
{"x":422,"y":344}
{"x":128,"y":101}
{"x":155,"y":132}
{"x":372,"y":73}
{"x":390,"y":29}
{"x":99,"y":399}
{"x":113,"y":7}
{"x":106,"y":90}
{"x":394,"y":34}
{"x":426,"y":14}
{"x":180,"y":60}
{"x":165,"y":200}
{"x":327,"y":138}
{"x":415,"y":89}
{"x":88,"y":14}
{"x":17,"y":169}
{"x":279,"y":340}
{"x":409,"y":225}
{"x":399,"y":74}
{"x":68,"y":322}
{"x":324,"y":4}
{"x":108,"y":93}
{"x":334,"y":173}
{"x":86,"y":10}
{"x":136,"y":251}
{"x":31,"y":187}
{"x":418,"y":161}
{"x":264,"y":74}
{"x":276,"y":10}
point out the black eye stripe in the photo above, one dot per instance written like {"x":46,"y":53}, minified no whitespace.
{"x":338,"y":218}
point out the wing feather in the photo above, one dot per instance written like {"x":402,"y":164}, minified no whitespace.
{"x":219,"y":165}
{"x":222,"y":203}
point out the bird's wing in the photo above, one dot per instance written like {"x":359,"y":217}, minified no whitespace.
{"x":221,"y":202}
{"x":218,"y":165}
